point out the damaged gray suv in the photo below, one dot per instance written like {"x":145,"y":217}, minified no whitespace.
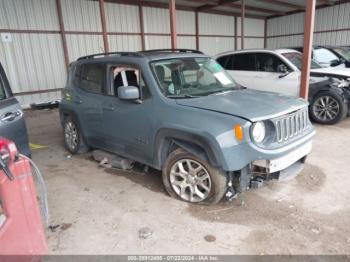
{"x":180,"y":112}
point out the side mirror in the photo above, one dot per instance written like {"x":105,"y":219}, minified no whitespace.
{"x":282,"y":69}
{"x":128,"y":93}
{"x":335,"y":62}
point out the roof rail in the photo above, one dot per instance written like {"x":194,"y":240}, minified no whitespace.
{"x":181,"y":50}
{"x":136,"y":54}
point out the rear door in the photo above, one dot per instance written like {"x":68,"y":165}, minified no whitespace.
{"x":89,"y":84}
{"x":12,"y":124}
{"x":241,"y":67}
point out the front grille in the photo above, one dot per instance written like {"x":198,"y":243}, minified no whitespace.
{"x":291,"y":125}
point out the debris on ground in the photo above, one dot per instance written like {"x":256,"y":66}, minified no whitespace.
{"x":104,"y":163}
{"x":36,"y":146}
{"x":145,"y":233}
{"x":65,"y":226}
{"x":86,"y":189}
{"x":210,"y":238}
{"x":53,"y":227}
{"x":68,"y":156}
{"x":45,"y":105}
{"x":107,"y":159}
{"x":315,"y":230}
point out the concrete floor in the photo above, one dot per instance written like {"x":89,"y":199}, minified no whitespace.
{"x":100,"y":211}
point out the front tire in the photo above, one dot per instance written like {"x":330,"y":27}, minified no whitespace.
{"x":72,"y":137}
{"x":328,"y":108}
{"x":188,"y":178}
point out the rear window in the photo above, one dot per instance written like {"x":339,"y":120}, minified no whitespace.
{"x":92,"y":78}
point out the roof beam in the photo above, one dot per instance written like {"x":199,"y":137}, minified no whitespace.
{"x":256,"y":9}
{"x":208,"y":7}
{"x":181,"y":7}
{"x":283,"y":4}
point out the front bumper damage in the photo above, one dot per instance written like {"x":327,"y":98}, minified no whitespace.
{"x":257,"y":172}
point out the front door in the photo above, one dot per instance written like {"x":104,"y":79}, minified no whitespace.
{"x":269,"y":76}
{"x":127,"y":125}
{"x":12,"y":124}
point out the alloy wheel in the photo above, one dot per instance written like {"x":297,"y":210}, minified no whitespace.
{"x":326,"y":108}
{"x":190,"y":180}
{"x":71,"y":135}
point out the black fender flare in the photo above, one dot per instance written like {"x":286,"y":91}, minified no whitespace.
{"x":192,"y":142}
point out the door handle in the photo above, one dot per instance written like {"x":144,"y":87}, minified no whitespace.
{"x":78,"y":101}
{"x":10,"y":116}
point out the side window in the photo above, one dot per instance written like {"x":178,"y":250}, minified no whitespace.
{"x":243,"y":62}
{"x":123,"y":76}
{"x":268,"y":63}
{"x":223,"y":61}
{"x":92,"y":78}
{"x":127,"y":76}
{"x":2,"y":90}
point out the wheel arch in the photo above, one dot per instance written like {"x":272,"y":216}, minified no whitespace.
{"x":168,"y":140}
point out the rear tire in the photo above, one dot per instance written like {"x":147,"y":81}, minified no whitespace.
{"x":190,"y":179}
{"x":73,"y":138}
{"x":328,"y":108}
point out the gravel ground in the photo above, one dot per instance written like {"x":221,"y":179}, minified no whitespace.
{"x":101,"y":211}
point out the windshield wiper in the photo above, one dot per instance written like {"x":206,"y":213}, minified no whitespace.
{"x":183,"y":96}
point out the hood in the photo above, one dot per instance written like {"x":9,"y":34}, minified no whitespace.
{"x":246,"y":103}
{"x":331,"y":72}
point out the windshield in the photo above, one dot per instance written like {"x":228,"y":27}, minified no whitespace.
{"x":191,"y":77}
{"x":297,"y":59}
{"x":343,"y":52}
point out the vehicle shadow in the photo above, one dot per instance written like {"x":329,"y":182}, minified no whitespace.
{"x":151,"y":179}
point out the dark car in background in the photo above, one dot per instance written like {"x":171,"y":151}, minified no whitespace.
{"x":12,"y":124}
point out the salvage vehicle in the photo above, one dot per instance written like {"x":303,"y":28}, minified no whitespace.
{"x":180,"y":112}
{"x":329,"y":56}
{"x":280,"y":71}
{"x":12,"y":124}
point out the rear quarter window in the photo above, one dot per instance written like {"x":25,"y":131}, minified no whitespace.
{"x":2,"y":90}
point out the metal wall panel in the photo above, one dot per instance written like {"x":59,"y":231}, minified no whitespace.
{"x":210,"y":24}
{"x":81,"y":15}
{"x":28,"y":14}
{"x":124,"y":43}
{"x":329,"y":18}
{"x":185,"y":22}
{"x":156,"y":20}
{"x":250,"y":43}
{"x":287,"y":41}
{"x":34,"y":62}
{"x":157,"y":42}
{"x":80,"y":45}
{"x":188,"y":42}
{"x":122,"y":18}
{"x":252,"y":27}
{"x":215,"y":45}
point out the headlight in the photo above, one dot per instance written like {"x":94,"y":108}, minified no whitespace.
{"x":258,"y":132}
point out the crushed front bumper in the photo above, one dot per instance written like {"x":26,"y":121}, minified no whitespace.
{"x":286,"y":161}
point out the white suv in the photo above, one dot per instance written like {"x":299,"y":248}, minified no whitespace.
{"x":280,"y":71}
